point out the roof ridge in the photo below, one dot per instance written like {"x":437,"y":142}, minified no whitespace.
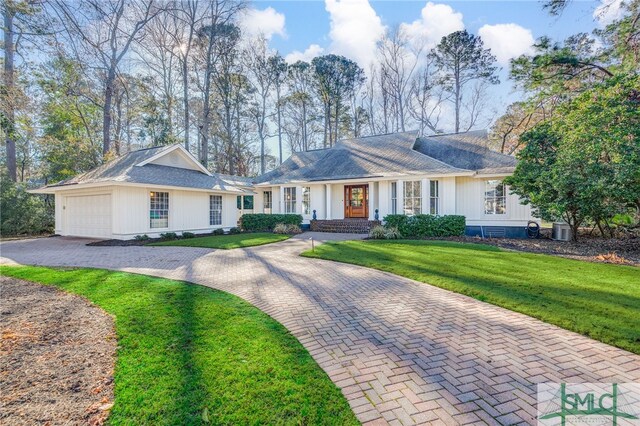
{"x":456,"y":133}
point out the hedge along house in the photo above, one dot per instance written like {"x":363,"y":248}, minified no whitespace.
{"x":397,"y":174}
{"x":165,"y":189}
{"x":149,"y":191}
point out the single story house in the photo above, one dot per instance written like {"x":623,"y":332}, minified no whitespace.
{"x":165,"y":189}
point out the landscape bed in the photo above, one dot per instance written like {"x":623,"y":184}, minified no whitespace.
{"x":188,"y":354}
{"x":594,"y":299}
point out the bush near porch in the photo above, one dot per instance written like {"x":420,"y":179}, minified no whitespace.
{"x":426,"y":225}
{"x":254,"y":222}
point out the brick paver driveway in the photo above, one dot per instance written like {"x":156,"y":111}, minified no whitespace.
{"x":402,"y":352}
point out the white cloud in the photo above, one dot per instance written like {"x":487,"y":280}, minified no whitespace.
{"x":437,"y":21}
{"x":507,"y":41}
{"x":310,"y":52}
{"x":355,"y":30}
{"x":267,"y":22}
{"x":608,"y":11}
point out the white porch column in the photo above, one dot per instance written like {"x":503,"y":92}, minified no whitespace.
{"x":298,"y":199}
{"x":328,"y":201}
{"x":424,"y":194}
{"x":281,"y":200}
{"x":373,"y":200}
{"x":400,"y":197}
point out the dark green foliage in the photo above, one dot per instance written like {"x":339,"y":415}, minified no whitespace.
{"x":267,"y":222}
{"x":169,"y":236}
{"x":218,"y":231}
{"x":22,"y":213}
{"x":188,"y":235}
{"x":234,"y":230}
{"x":144,"y":237}
{"x":425,"y":225}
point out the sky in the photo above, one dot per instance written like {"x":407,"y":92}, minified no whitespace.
{"x":304,"y":29}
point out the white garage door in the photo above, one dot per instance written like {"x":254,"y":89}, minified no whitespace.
{"x":88,"y":216}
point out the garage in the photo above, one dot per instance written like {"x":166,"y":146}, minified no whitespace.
{"x":88,"y":216}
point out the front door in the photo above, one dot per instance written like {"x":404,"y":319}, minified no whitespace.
{"x":356,"y":201}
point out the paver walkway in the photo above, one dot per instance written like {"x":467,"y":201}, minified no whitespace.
{"x":402,"y":352}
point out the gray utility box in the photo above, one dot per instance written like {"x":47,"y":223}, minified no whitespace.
{"x":561,"y":231}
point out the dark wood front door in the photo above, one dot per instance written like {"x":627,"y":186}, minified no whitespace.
{"x":356,"y":201}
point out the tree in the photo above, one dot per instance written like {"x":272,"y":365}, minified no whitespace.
{"x":279,"y":73}
{"x":461,"y":58}
{"x":104,"y":31}
{"x":300,"y":106}
{"x":517,"y":119}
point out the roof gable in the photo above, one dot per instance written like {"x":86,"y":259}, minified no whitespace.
{"x":175,"y":156}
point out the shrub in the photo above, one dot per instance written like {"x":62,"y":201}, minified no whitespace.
{"x":188,"y":235}
{"x":144,"y":237}
{"x":378,"y":232}
{"x":267,"y":222}
{"x":234,"y":230}
{"x":218,"y":231}
{"x":392,"y":234}
{"x":169,"y":236}
{"x":424,"y":225}
{"x":283,"y":228}
{"x":23,"y":213}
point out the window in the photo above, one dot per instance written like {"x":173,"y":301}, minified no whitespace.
{"x":306,"y":200}
{"x":494,"y":197}
{"x":159,"y":209}
{"x":394,"y":198}
{"x":290,"y":200}
{"x":244,"y":202}
{"x":215,"y":209}
{"x":412,"y":197}
{"x":267,"y":199}
{"x":434,"y":194}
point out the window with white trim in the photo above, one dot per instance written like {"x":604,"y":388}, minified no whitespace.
{"x":394,"y":197}
{"x":290,"y":199}
{"x":215,"y":210}
{"x":267,"y":198}
{"x":306,"y":200}
{"x":412,"y":197}
{"x":158,"y":209}
{"x":495,"y":200}
{"x":434,"y":197}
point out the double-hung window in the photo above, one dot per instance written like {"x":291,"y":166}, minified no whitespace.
{"x":215,"y":210}
{"x":412,"y":197}
{"x":434,"y":191}
{"x":494,"y":197}
{"x":158,"y":209}
{"x":306,"y":200}
{"x":290,"y":199}
{"x":267,"y":197}
{"x":394,"y":198}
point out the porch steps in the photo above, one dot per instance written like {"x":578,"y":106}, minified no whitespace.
{"x":350,"y":226}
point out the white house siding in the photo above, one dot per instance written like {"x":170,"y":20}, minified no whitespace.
{"x":470,"y":203}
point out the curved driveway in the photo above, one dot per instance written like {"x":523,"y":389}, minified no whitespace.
{"x":402,"y":352}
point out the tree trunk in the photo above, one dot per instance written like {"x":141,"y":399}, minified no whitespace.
{"x":10,"y":89}
{"x":185,"y":94}
{"x":304,"y":126}
{"x":106,"y":120}
{"x":457,"y":103}
{"x":278,"y":110}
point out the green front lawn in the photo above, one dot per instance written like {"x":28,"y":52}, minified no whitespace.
{"x":188,"y":354}
{"x":227,"y":241}
{"x":601,"y":301}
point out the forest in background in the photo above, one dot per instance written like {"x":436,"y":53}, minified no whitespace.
{"x":85,"y":81}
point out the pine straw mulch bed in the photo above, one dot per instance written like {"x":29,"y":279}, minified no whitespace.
{"x":624,"y":251}
{"x":57,"y":356}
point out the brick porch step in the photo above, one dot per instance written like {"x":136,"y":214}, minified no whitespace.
{"x":351,"y":226}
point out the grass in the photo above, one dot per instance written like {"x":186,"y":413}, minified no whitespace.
{"x":227,"y":242}
{"x":189,"y":355}
{"x":601,"y":301}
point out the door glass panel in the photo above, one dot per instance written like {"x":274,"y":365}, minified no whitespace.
{"x":357,"y":197}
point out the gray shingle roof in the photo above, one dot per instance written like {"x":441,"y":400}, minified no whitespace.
{"x":468,"y":151}
{"x":367,"y":157}
{"x":124,"y":169}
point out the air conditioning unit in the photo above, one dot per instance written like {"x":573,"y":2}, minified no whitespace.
{"x":561,"y":231}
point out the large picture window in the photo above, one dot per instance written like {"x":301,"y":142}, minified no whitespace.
{"x":290,"y":200}
{"x":394,"y":198}
{"x":267,"y":199}
{"x":306,"y":200}
{"x":434,"y":197}
{"x":494,"y":197}
{"x":412,"y":197}
{"x":215,"y":209}
{"x":159,"y":209}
